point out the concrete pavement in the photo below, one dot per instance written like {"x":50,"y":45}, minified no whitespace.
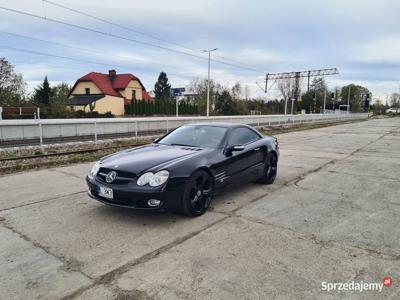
{"x":332,"y":216}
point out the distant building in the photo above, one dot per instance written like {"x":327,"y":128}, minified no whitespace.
{"x":106,"y":92}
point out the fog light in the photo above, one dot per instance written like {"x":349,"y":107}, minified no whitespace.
{"x":153,"y":202}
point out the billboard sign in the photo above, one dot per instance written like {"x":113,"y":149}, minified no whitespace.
{"x":177,"y":91}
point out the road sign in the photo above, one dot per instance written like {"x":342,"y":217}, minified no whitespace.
{"x":177,"y":91}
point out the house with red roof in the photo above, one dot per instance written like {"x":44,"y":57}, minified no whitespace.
{"x":106,"y":92}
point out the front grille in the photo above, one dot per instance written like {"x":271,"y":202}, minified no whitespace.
{"x":122,"y":176}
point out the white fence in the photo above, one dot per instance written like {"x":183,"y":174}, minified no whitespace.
{"x":14,"y":132}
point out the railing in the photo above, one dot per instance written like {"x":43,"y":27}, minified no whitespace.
{"x":20,"y":112}
{"x":31,"y":132}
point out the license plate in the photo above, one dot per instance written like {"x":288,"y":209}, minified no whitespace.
{"x":106,"y":192}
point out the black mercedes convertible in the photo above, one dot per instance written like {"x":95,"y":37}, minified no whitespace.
{"x":184,"y":169}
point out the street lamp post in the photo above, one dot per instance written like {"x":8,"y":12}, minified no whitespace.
{"x":208,"y":80}
{"x":348,"y":100}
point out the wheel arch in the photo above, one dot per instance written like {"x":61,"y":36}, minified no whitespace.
{"x":273,"y":152}
{"x":208,"y":171}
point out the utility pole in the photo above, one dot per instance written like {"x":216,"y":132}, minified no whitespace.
{"x":287,"y":96}
{"x":325,"y":101}
{"x":208,"y":80}
{"x":348,"y":100}
{"x":291,"y":109}
{"x":315,"y":102}
{"x":285,"y":106}
{"x":177,"y":107}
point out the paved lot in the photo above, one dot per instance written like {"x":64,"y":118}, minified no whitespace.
{"x":332,"y":216}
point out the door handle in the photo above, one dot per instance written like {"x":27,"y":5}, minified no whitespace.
{"x":256,"y":149}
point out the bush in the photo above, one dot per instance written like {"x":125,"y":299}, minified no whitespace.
{"x":160,"y":107}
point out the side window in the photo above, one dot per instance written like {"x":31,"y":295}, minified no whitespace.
{"x":133,"y":94}
{"x":242,"y":136}
{"x":87,"y":91}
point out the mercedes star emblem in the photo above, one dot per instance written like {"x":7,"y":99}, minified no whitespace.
{"x":111,"y":176}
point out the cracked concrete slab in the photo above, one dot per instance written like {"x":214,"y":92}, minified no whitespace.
{"x":100,"y":238}
{"x":28,"y":272}
{"x":25,"y":188}
{"x":380,"y":167}
{"x":219,"y":263}
{"x":331,"y":215}
{"x":99,"y":292}
{"x":351,"y":221}
{"x":352,"y":186}
{"x":77,"y":170}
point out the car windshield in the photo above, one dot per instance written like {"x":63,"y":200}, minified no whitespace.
{"x":195,"y":136}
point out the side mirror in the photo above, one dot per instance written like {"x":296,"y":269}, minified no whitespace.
{"x":233,"y":148}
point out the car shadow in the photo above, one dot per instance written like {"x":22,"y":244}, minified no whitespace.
{"x":231,"y":194}
{"x":139,"y":217}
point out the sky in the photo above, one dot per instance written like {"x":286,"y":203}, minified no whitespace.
{"x":360,"y":38}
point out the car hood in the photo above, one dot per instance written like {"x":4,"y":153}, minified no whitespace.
{"x":149,"y":157}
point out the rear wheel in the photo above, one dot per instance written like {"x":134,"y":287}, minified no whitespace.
{"x":270,"y":169}
{"x":198,"y":194}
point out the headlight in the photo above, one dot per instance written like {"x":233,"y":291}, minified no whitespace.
{"x":95,"y":169}
{"x":159,"y":178}
{"x":144,"y":179}
{"x":153,"y":179}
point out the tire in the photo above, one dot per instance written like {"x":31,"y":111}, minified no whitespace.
{"x":198,"y":194}
{"x":270,"y":169}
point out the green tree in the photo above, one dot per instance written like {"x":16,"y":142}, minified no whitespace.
{"x":57,"y":107}
{"x":357,"y":96}
{"x":313,"y":100}
{"x":225,"y":104}
{"x":378,"y":108}
{"x":12,"y":86}
{"x":59,"y":93}
{"x":199,"y":87}
{"x":42,"y":94}
{"x":162,"y":88}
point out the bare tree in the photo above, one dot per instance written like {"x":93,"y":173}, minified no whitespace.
{"x":395,"y":100}
{"x":247,"y":94}
{"x":199,"y":87}
{"x":287,"y":88}
{"x":12,"y":86}
{"x":236,"y":91}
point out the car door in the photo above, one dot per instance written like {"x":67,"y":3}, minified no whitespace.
{"x":244,"y":165}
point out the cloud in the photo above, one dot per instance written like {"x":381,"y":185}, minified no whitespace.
{"x":361,"y":38}
{"x":383,"y":50}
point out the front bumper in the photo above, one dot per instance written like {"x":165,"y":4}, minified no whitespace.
{"x":136,"y":198}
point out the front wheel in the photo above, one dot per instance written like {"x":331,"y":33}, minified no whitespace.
{"x":198,"y":194}
{"x":270,"y":169}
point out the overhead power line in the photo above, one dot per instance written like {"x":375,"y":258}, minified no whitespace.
{"x":115,"y":24}
{"x":157,"y":38}
{"x":78,"y":48}
{"x":121,"y":37}
{"x":76,"y":59}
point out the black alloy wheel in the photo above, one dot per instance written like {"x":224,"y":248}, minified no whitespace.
{"x":198,"y":194}
{"x":270,"y":169}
